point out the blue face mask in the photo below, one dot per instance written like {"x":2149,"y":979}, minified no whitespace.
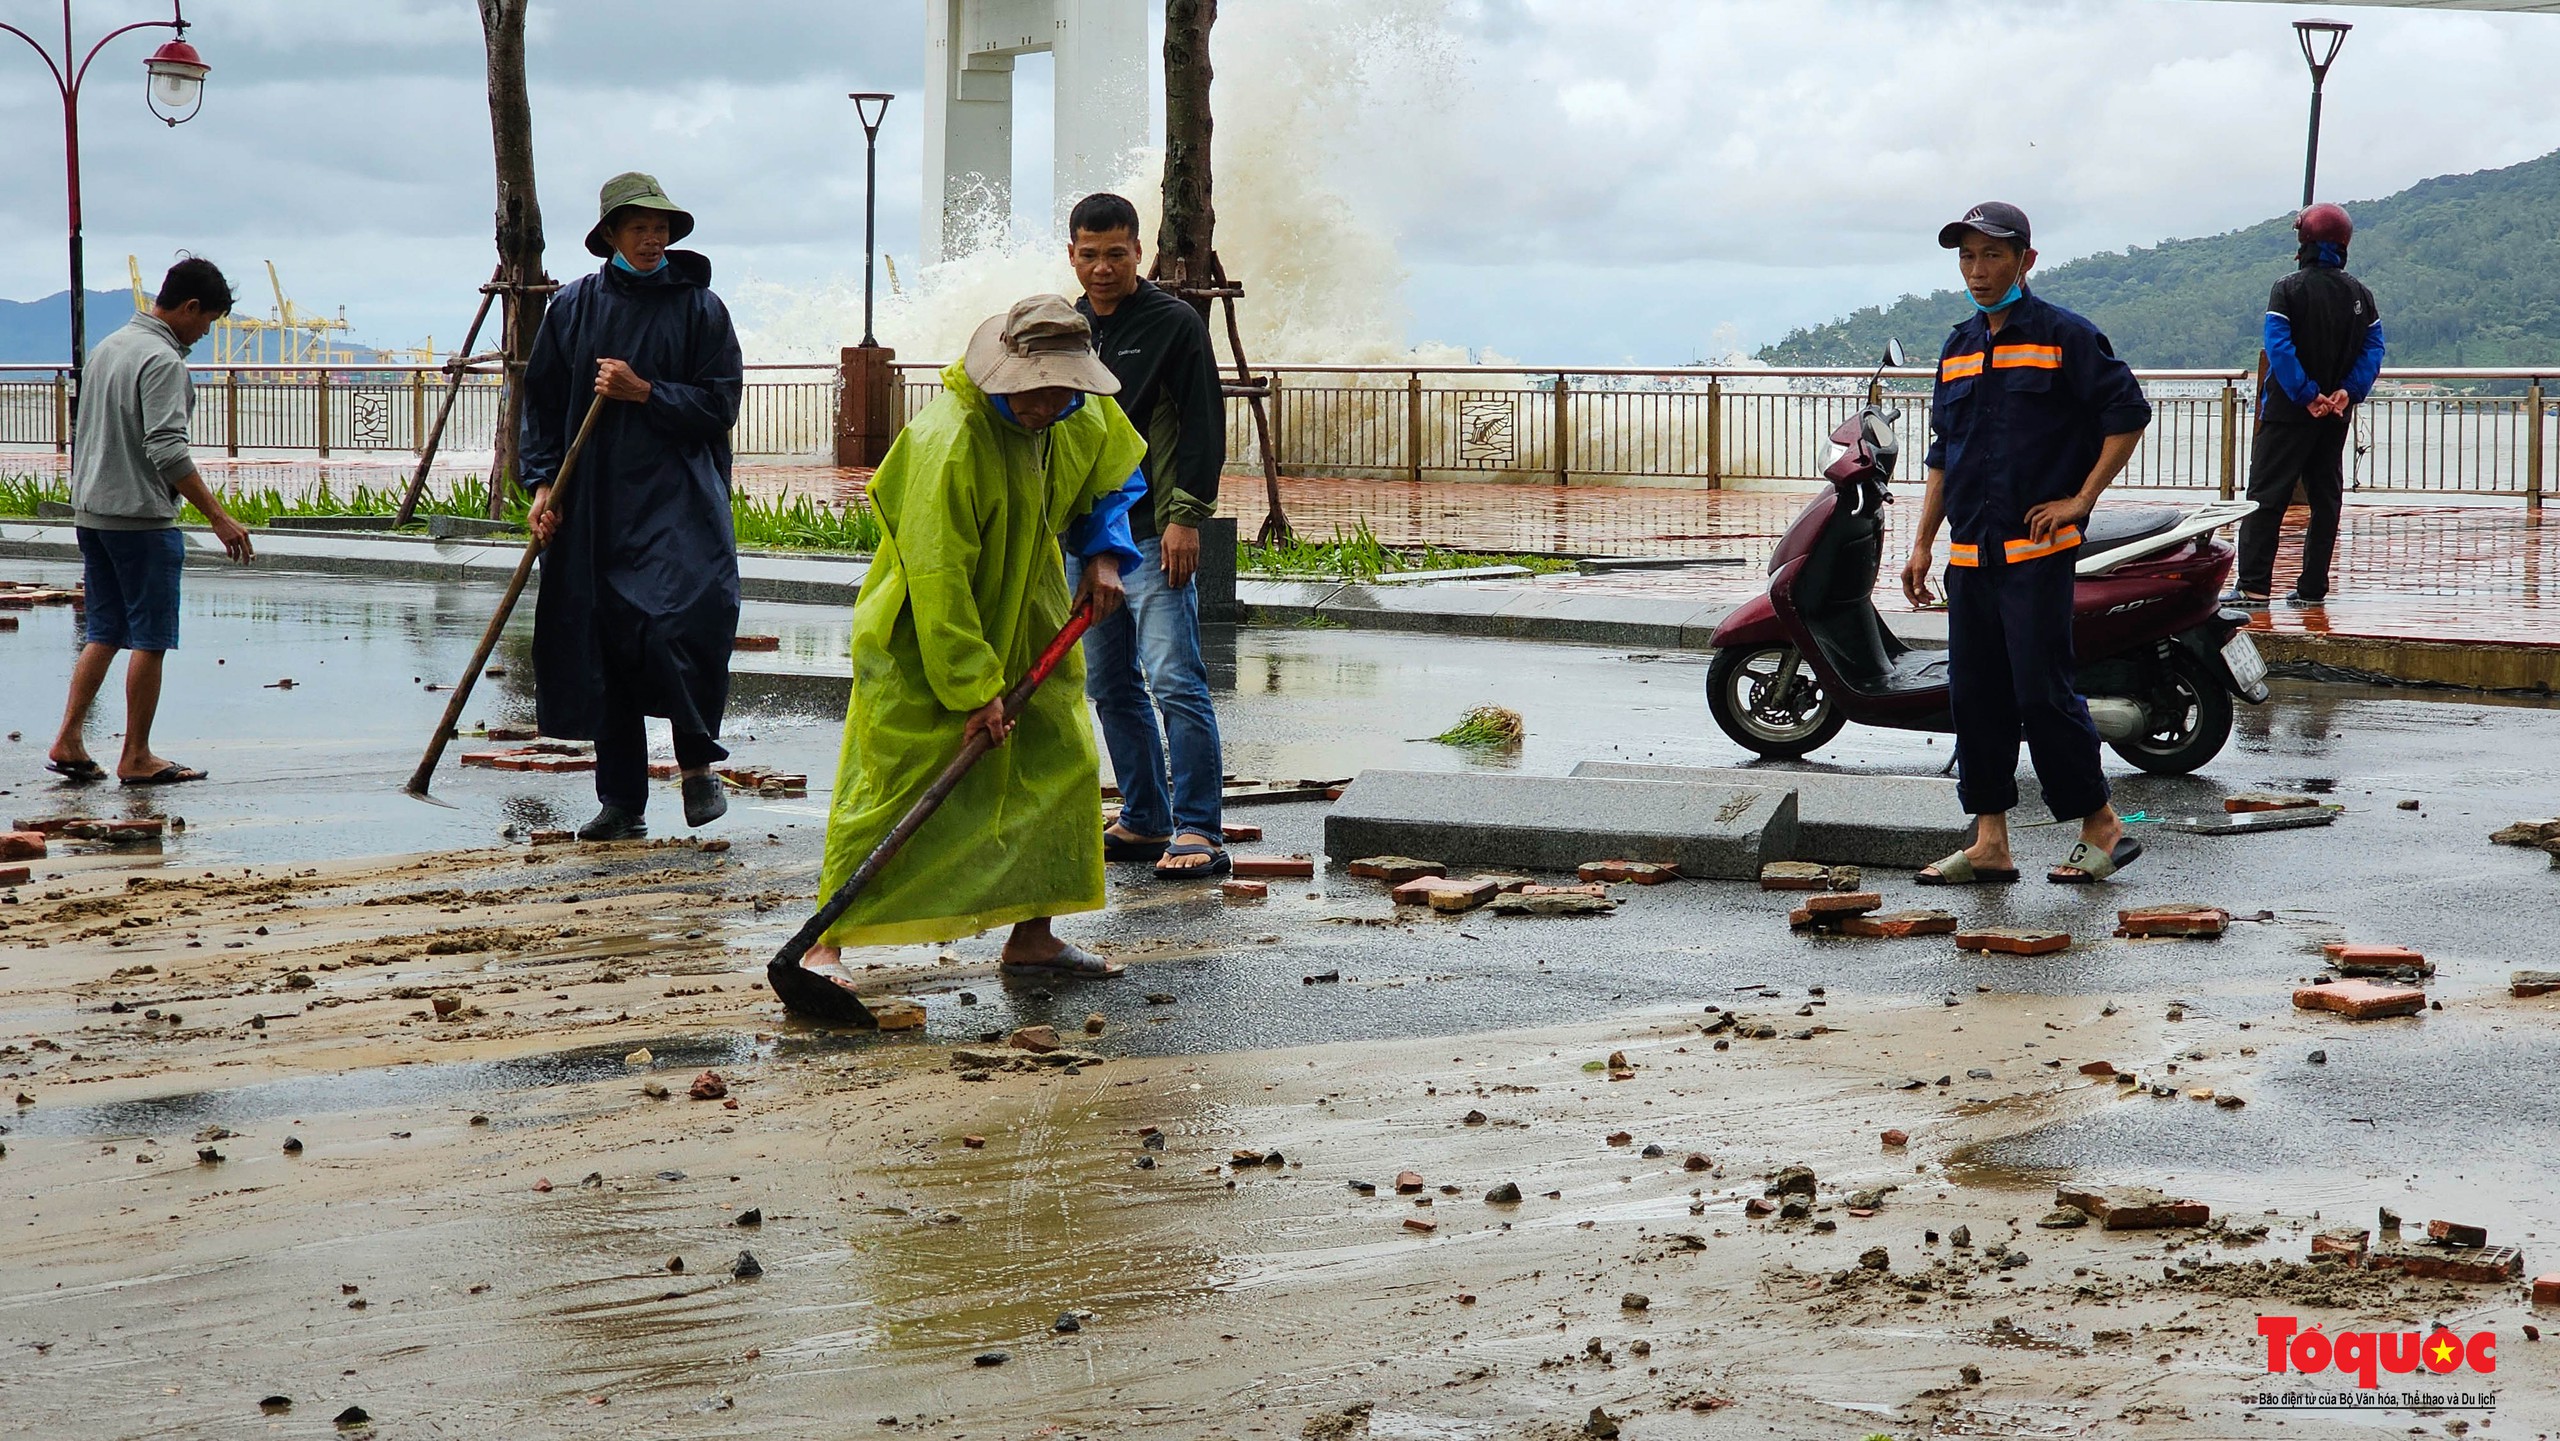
{"x":626,"y":266}
{"x":2017,"y":292}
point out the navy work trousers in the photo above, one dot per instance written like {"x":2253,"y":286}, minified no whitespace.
{"x":2010,"y":671}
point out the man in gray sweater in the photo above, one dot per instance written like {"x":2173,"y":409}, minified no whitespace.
{"x":129,"y":471}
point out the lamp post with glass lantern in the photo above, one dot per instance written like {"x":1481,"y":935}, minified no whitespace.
{"x":2321,"y":40}
{"x":175,"y":92}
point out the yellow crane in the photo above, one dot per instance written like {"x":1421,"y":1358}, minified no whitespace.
{"x":235,"y":336}
{"x":305,"y":337}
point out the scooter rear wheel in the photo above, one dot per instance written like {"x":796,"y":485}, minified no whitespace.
{"x":1742,"y":695}
{"x":2190,"y":719}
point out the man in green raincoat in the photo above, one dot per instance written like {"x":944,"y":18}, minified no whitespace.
{"x":1023,"y":458}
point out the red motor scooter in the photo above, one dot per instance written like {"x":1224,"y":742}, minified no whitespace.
{"x":2159,"y":658}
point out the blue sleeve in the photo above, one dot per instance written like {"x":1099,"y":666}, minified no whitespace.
{"x":1936,"y":458}
{"x":2284,"y":367}
{"x":1104,"y":529}
{"x":2368,"y":365}
{"x":2105,"y":384}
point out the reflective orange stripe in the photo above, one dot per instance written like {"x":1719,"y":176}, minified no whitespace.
{"x":1960,"y":367}
{"x":2063,"y":539}
{"x":2031,"y":357}
{"x":1964,"y":555}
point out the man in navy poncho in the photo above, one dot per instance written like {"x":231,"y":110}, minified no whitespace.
{"x":639,"y":600}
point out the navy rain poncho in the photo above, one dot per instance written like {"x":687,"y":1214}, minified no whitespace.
{"x":642,"y":576}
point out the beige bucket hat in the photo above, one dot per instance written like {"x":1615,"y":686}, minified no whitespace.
{"x":1042,"y":341}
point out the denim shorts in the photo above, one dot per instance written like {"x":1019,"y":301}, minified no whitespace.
{"x":132,"y":583}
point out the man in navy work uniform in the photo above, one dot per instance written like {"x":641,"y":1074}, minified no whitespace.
{"x":2033,"y":415}
{"x":2323,"y":340}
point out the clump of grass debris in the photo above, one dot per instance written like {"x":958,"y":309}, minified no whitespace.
{"x":1487,"y":727}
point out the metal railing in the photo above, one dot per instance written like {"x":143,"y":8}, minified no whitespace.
{"x":787,"y":410}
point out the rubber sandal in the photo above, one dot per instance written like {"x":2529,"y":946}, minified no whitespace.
{"x":1073,"y":962}
{"x":1959,"y":870}
{"x":168,"y":775}
{"x":1119,"y":849}
{"x":1219,"y":862}
{"x":81,"y":771}
{"x":2094,"y":865}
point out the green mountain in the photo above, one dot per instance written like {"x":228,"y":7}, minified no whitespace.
{"x":2466,"y":269}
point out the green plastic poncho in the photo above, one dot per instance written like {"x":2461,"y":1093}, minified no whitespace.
{"x":967,"y":586}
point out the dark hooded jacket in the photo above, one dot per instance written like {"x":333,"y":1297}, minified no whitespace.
{"x":642,"y":576}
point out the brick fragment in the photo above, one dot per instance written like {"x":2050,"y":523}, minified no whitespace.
{"x":2100,"y":1069}
{"x":2546,"y":1290}
{"x":1642,"y":873}
{"x":1844,"y":903}
{"x":1244,"y":890}
{"x":1504,"y":885}
{"x":2455,"y":1233}
{"x":2248,"y":801}
{"x":756,"y":642}
{"x":2524,"y":985}
{"x":1590,"y":890}
{"x":2479,"y":1267}
{"x":2014,"y":941}
{"x":2341,"y":1241}
{"x":1408,"y":1183}
{"x":485,"y":760}
{"x":1795,"y":876}
{"x":1395,"y":870}
{"x":1039,"y":1040}
{"x":2360,"y":1000}
{"x":1234,"y":833}
{"x":21,"y":845}
{"x":1896,"y":1139}
{"x":2190,"y":922}
{"x":2351,"y":960}
{"x":1286,"y":868}
{"x":2132,"y":1208}
{"x":1444,"y":895}
{"x":1896,"y":925}
{"x":1419,"y":1226}
{"x":559,"y":765}
{"x":510,"y":761}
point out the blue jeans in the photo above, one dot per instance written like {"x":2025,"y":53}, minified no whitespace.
{"x":1146,"y":660}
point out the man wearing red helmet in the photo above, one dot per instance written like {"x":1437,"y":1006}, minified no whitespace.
{"x":2323,"y":341}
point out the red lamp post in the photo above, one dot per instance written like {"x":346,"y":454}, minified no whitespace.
{"x":175,"y":93}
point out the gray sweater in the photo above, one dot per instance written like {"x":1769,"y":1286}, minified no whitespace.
{"x":129,"y":451}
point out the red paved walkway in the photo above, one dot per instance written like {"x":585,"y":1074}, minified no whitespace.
{"x":2484,"y":572}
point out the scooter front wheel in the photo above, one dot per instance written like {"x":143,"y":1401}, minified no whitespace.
{"x":2190,"y":719}
{"x":1750,"y":706}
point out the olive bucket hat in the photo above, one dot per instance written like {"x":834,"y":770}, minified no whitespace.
{"x":1042,"y":341}
{"x":630,"y":190}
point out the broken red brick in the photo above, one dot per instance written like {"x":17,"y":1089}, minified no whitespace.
{"x":510,"y":761}
{"x":1896,"y":1139}
{"x":2191,"y":922}
{"x":2454,"y":1233}
{"x":664,"y":770}
{"x":756,"y":642}
{"x":2341,"y":1241}
{"x":708,"y":1087}
{"x":1895,"y":925}
{"x":2098,"y":1068}
{"x":21,"y":845}
{"x":1642,"y":873}
{"x":1408,"y":1183}
{"x":1795,"y":876}
{"x":559,"y":765}
{"x":2546,"y":1290}
{"x":1759,"y":1206}
{"x":974,"y":1143}
{"x":1843,"y":903}
{"x":2525,"y":985}
{"x":2361,"y":1000}
{"x":1039,"y":1040}
{"x":1697,"y":1161}
{"x":1419,"y":1226}
{"x":2014,"y":941}
{"x":2132,"y":1208}
{"x":513,"y":733}
{"x":2482,"y":1267}
{"x":483,"y":759}
{"x":1621,"y":1138}
{"x":2375,"y":960}
{"x":1244,"y":890}
{"x":8,"y":622}
{"x":1395,"y":870}
{"x":1444,"y":895}
{"x":1233,"y":834}
{"x":1287,"y":868}
{"x":2248,"y":801}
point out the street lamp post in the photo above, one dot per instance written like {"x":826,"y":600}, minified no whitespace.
{"x":175,"y":92}
{"x":2321,"y":40}
{"x":871,"y":107}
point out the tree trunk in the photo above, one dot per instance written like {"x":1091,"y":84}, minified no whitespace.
{"x":519,"y":234}
{"x":1184,"y":240}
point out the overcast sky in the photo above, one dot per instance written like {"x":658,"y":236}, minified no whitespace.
{"x":1571,"y":181}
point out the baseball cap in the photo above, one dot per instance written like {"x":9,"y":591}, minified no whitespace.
{"x":1996,"y":218}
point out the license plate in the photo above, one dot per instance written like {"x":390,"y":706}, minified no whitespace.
{"x":2248,"y":669}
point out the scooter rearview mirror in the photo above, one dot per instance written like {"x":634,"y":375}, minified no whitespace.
{"x":1893,"y":354}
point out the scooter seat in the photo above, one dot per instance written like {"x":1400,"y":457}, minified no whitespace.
{"x":2114,"y":529}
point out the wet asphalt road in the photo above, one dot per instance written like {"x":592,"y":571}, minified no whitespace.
{"x":2440,"y":1105}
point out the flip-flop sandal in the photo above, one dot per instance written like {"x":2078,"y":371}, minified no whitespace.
{"x":1118,"y":849}
{"x":1072,"y":962}
{"x":2094,"y":865}
{"x":1959,"y":870}
{"x":82,"y":771}
{"x":1219,"y":862}
{"x":168,"y":775}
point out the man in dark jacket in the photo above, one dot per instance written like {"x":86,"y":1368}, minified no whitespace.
{"x":639,"y":602}
{"x":1158,"y":347}
{"x":2323,"y":339}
